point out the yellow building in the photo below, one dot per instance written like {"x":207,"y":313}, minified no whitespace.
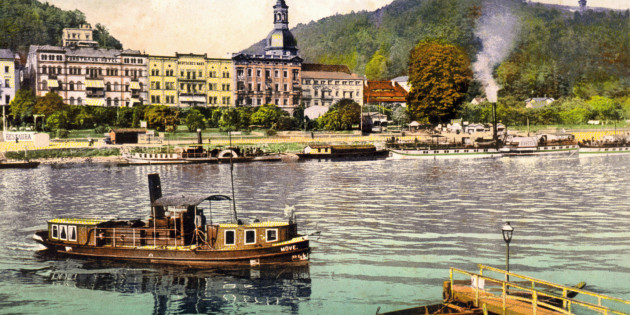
{"x":8,"y":77}
{"x":189,"y":80}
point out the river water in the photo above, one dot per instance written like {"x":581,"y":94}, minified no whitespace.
{"x":389,"y":232}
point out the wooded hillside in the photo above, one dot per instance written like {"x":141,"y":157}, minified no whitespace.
{"x":30,"y":22}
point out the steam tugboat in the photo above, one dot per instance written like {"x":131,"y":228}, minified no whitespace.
{"x":178,"y":232}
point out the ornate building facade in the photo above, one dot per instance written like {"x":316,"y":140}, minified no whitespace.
{"x":324,"y":85}
{"x":88,"y":75}
{"x":274,"y":76}
{"x":190,"y":80}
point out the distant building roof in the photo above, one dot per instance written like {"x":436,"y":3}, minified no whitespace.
{"x":538,"y":102}
{"x":325,"y":68}
{"x":401,"y":79}
{"x":478,"y":100}
{"x":384,"y":91}
{"x":329,"y":75}
{"x":6,"y":54}
{"x":85,"y":51}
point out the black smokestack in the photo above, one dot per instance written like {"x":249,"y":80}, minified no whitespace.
{"x":155,"y":192}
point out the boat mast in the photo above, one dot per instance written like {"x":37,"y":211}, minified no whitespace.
{"x":234,"y":217}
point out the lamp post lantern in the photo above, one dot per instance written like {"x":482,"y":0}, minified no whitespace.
{"x":507,"y":230}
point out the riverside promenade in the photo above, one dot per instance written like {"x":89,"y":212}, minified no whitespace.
{"x":303,"y":139}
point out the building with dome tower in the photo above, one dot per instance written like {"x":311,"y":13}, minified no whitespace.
{"x":274,"y":75}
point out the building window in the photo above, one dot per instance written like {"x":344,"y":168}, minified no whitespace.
{"x":258,"y":73}
{"x":230,"y":237}
{"x":249,"y":72}
{"x":109,"y":101}
{"x":250,"y":237}
{"x":277,"y":73}
{"x":258,"y":87}
{"x":267,"y":73}
{"x":6,"y":69}
{"x":286,"y":73}
{"x":116,"y":101}
{"x":272,"y":235}
{"x":286,"y":87}
{"x":277,"y":87}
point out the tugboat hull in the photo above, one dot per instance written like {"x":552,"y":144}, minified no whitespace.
{"x":294,"y":251}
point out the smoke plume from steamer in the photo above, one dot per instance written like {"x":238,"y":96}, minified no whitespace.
{"x":497,"y":29}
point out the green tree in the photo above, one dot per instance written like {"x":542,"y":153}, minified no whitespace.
{"x":162,"y":118}
{"x":194,"y":120}
{"x":377,"y":67}
{"x":58,"y":120}
{"x":230,"y":119}
{"x":49,"y":104}
{"x":605,"y":108}
{"x":22,"y":104}
{"x":439,"y":75}
{"x":341,"y":116}
{"x":400,"y":116}
{"x":267,"y":115}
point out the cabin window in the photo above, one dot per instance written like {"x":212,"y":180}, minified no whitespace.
{"x":72,"y":233}
{"x":272,"y":235}
{"x":230,"y":238}
{"x":250,"y":237}
{"x":63,"y":232}
{"x":55,"y":231}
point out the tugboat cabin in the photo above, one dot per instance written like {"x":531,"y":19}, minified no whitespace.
{"x":176,"y":222}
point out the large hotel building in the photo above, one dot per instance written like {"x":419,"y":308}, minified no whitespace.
{"x":272,"y":77}
{"x":190,"y":80}
{"x":83,"y":74}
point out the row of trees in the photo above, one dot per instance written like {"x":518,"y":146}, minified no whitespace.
{"x":568,"y":111}
{"x":58,"y":115}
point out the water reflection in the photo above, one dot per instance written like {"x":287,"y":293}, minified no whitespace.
{"x":178,"y":289}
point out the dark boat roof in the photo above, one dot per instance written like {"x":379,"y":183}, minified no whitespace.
{"x":181,"y":200}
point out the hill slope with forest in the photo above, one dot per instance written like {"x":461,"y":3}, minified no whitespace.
{"x":30,"y":22}
{"x":556,"y":53}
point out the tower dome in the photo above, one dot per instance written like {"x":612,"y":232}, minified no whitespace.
{"x":280,"y":40}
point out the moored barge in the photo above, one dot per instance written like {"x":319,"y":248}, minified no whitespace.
{"x":178,"y":232}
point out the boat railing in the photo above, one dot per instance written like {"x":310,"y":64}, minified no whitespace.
{"x":120,"y":237}
{"x":528,"y":293}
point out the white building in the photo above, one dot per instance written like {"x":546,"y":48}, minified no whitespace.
{"x":324,"y":85}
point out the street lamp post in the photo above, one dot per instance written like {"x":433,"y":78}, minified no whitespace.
{"x":507,"y":230}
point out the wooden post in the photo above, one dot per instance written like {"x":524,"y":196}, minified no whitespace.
{"x":534,"y":302}
{"x":134,"y":237}
{"x":114,"y":238}
{"x":504,"y":297}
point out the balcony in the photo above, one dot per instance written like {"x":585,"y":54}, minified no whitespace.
{"x":95,"y":94}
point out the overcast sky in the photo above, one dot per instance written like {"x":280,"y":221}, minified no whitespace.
{"x":217,"y":27}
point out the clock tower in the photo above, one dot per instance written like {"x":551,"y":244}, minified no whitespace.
{"x":280,"y":41}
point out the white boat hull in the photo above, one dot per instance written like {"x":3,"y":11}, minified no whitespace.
{"x":598,"y":151}
{"x":445,"y":154}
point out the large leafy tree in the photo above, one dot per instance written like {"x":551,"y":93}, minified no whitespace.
{"x":341,"y":116}
{"x":439,"y":75}
{"x":194,"y":120}
{"x":267,"y":115}
{"x":161,"y":117}
{"x":49,"y":104}
{"x":22,"y":104}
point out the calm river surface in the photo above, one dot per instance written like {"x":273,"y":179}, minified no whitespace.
{"x":389,"y":232}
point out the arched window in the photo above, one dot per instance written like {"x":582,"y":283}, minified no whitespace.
{"x":108,"y":87}
{"x":141,"y":101}
{"x":115,"y":86}
{"x":79,"y":101}
{"x":71,"y":86}
{"x":72,"y":100}
{"x":44,"y":85}
{"x":116,"y":101}
{"x":109,"y":101}
{"x":79,"y":86}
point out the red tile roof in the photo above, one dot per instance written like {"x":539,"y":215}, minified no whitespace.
{"x":384,"y":92}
